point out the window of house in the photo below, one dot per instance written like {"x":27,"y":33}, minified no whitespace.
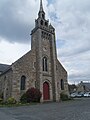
{"x":62,"y":84}
{"x":41,"y":22}
{"x":35,"y":84}
{"x":4,"y":78}
{"x":34,"y":65}
{"x":46,"y":24}
{"x":44,"y":63}
{"x":43,"y":16}
{"x":23,"y":81}
{"x":56,"y":67}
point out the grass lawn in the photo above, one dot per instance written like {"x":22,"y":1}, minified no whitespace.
{"x":18,"y":104}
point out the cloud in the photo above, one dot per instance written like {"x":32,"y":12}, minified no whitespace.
{"x":74,"y":47}
{"x":10,"y":52}
{"x":72,"y":21}
{"x":79,"y":75}
{"x":17,"y":19}
{"x":77,"y":66}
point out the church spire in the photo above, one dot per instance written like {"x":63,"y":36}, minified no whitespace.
{"x":41,"y":6}
{"x":41,"y":13}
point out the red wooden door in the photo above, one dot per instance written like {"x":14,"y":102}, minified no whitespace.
{"x":46,"y":95}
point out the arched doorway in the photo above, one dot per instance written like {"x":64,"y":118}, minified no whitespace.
{"x":46,"y":93}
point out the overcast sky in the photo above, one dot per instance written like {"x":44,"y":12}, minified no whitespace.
{"x":71,"y":19}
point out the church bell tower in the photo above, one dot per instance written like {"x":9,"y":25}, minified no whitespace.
{"x":43,"y":45}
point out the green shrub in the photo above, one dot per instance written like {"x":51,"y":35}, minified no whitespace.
{"x":23,"y":98}
{"x":1,"y":100}
{"x":1,"y":95}
{"x":11,"y":100}
{"x":64,"y":97}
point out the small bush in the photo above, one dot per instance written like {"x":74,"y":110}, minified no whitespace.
{"x":23,"y":98}
{"x":64,"y":97}
{"x":33,"y":95}
{"x":1,"y":100}
{"x":1,"y":95}
{"x":11,"y":100}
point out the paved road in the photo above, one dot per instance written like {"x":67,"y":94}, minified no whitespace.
{"x":71,"y":110}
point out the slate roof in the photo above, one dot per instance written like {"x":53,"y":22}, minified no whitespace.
{"x":4,"y":67}
{"x":86,"y":85}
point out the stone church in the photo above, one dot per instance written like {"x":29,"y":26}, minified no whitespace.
{"x":38,"y":68}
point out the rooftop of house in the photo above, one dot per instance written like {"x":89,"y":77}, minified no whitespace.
{"x":87,"y":84}
{"x":3,"y":67}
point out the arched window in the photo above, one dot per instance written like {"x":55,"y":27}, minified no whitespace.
{"x":44,"y":64}
{"x":41,"y":22}
{"x":62,"y":84}
{"x":4,"y":78}
{"x":43,"y":16}
{"x":46,"y":24}
{"x":23,"y":81}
